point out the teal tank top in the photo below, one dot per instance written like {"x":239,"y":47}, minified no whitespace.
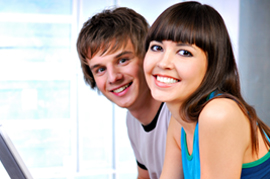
{"x":191,"y":162}
{"x":259,"y":169}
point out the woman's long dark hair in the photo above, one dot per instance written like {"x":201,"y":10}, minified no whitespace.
{"x":194,"y":23}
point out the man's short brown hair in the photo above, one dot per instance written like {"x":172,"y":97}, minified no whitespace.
{"x":109,"y":31}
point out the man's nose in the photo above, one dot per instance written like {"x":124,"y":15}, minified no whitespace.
{"x":114,"y":75}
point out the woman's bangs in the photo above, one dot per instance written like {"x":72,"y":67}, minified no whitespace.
{"x":183,"y":31}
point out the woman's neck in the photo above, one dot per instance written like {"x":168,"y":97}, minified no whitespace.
{"x":189,"y":127}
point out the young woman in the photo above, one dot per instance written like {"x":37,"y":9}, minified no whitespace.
{"x":190,"y":65}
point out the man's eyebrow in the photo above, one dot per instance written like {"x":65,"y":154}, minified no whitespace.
{"x":94,"y":66}
{"x":123,"y":53}
{"x":117,"y":56}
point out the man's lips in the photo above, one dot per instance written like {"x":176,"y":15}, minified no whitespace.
{"x":122,"y":88}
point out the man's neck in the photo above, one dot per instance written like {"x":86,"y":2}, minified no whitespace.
{"x":146,"y":110}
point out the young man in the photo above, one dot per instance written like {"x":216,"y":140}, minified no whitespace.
{"x":111,"y":50}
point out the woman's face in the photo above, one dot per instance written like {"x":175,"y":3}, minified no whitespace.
{"x":173,"y":70}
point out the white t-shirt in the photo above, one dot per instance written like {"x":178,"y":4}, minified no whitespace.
{"x":149,"y":142}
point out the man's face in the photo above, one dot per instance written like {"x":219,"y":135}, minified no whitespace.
{"x":119,"y":75}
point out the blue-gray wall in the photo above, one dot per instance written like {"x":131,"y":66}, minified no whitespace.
{"x":254,"y":55}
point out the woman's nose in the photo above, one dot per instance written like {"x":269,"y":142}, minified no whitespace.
{"x":166,"y":61}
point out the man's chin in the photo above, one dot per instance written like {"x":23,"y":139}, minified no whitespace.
{"x":124,"y":104}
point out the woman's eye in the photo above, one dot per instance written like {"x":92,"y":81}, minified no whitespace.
{"x":156,"y":48}
{"x":185,"y":53}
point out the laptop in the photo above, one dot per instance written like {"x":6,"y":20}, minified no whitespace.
{"x":11,"y":159}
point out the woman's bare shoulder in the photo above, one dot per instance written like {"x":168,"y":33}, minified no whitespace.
{"x":222,"y":110}
{"x":224,"y":115}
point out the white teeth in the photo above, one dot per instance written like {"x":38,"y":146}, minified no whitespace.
{"x":166,"y":80}
{"x":121,"y":89}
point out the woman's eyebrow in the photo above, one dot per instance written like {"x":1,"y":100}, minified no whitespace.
{"x":184,"y":45}
{"x":158,"y":41}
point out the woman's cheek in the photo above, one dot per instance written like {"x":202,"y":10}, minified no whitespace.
{"x":151,"y":60}
{"x":146,"y":65}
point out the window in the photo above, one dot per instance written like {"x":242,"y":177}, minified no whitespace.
{"x":43,"y":99}
{"x":61,"y":128}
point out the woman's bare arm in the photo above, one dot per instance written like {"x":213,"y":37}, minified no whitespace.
{"x":172,"y":167}
{"x":224,"y":136}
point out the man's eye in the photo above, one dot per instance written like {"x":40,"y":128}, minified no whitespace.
{"x":185,"y":53}
{"x":156,"y":48}
{"x":100,"y":70}
{"x":123,"y":60}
